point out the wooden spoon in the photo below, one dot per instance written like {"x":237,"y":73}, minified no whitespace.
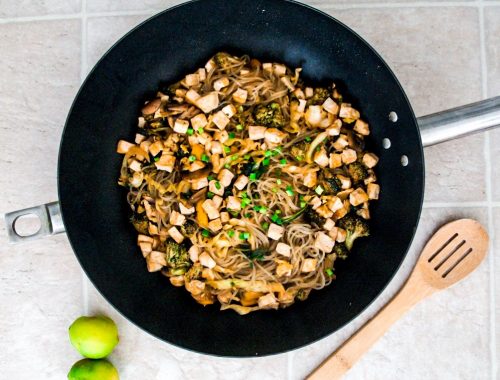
{"x":454,"y":251}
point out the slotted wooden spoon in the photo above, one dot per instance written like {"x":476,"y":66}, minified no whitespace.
{"x":454,"y":251}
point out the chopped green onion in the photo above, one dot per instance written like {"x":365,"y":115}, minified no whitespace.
{"x":230,"y":233}
{"x":244,"y":235}
{"x":205,"y":158}
{"x":234,"y":157}
{"x":268,"y":153}
{"x":301,"y":197}
{"x":266,"y":161}
{"x":278,"y":150}
{"x":210,"y":195}
{"x":277,"y":212}
{"x":252,"y":176}
{"x":201,"y":130}
{"x":240,"y":109}
{"x":289,"y":190}
{"x":227,"y":149}
{"x":329,"y":272}
{"x":231,"y":135}
{"x":210,"y":178}
{"x":227,"y":166}
{"x":319,"y":190}
{"x":278,"y":181}
{"x":303,"y":204}
{"x":248,"y":215}
{"x":217,"y":185}
{"x":245,"y":202}
{"x":205,"y":233}
{"x":190,"y":131}
{"x":308,"y":139}
{"x":156,"y":159}
{"x":283,"y":161}
{"x":192,"y":158}
{"x":263,"y":209}
{"x":239,"y":127}
{"x":247,"y":156}
{"x":265,"y":225}
{"x":244,"y":195}
{"x":299,"y":158}
{"x":275,"y":189}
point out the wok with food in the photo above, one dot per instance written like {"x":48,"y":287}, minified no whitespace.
{"x":246,"y":184}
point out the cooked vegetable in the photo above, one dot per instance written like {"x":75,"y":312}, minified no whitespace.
{"x":269,"y":115}
{"x":357,"y":172}
{"x":355,"y":227}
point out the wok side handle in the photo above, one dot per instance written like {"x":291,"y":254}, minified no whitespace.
{"x":459,"y":122}
{"x":50,"y":218}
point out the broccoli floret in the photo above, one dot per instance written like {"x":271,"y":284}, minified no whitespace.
{"x":319,"y":96}
{"x":312,"y":217}
{"x":355,"y":227}
{"x":302,"y":294}
{"x":188,"y":228}
{"x":332,"y":185}
{"x":269,"y":115}
{"x":140,"y":223}
{"x":299,"y":150}
{"x":341,"y":251}
{"x":193,"y":273}
{"x":357,"y":171}
{"x":222,"y":60}
{"x":177,"y":257}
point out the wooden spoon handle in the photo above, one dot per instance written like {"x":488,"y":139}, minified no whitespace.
{"x":338,"y":363}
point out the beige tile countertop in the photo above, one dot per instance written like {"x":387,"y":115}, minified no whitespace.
{"x":446,"y":53}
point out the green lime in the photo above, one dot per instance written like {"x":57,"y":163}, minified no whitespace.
{"x":94,"y":337}
{"x":89,"y":369}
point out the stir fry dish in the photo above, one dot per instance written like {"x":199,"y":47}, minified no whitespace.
{"x":246,"y":184}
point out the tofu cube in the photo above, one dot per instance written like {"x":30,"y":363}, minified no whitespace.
{"x":321,"y":158}
{"x":341,"y":235}
{"x":210,"y":208}
{"x":192,"y":80}
{"x":225,"y":177}
{"x":370,"y":160}
{"x":217,"y":201}
{"x":309,"y":92}
{"x":240,"y":96}
{"x":177,"y":219}
{"x":284,"y":249}
{"x":208,"y":103}
{"x":341,"y":143}
{"x":310,"y":179}
{"x":199,"y":121}
{"x":275,"y":232}
{"x":335,"y":204}
{"x":176,"y":235}
{"x":155,"y":261}
{"x":196,"y":165}
{"x":156,"y":148}
{"x":241,"y":182}
{"x":330,"y":106}
{"x":192,"y":96}
{"x":373,"y":190}
{"x":215,"y":225}
{"x":315,"y":202}
{"x":358,"y":197}
{"x":279,"y":69}
{"x":186,"y":210}
{"x":194,"y":253}
{"x":267,"y":66}
{"x":314,"y":115}
{"x":220,"y":83}
{"x":345,"y":181}
{"x":284,"y":269}
{"x":221,"y":136}
{"x":329,"y":224}
{"x":220,"y":120}
{"x":256,"y":132}
{"x":362,"y":127}
{"x":139,"y":138}
{"x":233,"y":203}
{"x":166,"y":162}
{"x":324,"y":211}
{"x":324,"y":242}
{"x":207,"y":261}
{"x":135,"y":166}
{"x":216,"y":147}
{"x":229,"y":110}
{"x":210,"y":65}
{"x":302,"y":105}
{"x":224,"y":217}
{"x":268,"y":302}
{"x":349,"y":156}
{"x":347,"y":112}
{"x":335,"y":160}
{"x":202,"y":74}
{"x":199,"y":183}
{"x":309,"y":265}
{"x":216,"y":187}
{"x":333,"y":233}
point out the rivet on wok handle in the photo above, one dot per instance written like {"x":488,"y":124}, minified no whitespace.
{"x":460,"y":121}
{"x":50,"y":221}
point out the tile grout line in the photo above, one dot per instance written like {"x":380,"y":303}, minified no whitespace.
{"x":83,"y":68}
{"x":487,"y":153}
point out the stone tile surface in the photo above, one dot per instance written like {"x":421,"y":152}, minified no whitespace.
{"x":496,"y":271}
{"x":25,"y":8}
{"x":40,"y":282}
{"x":429,"y":341}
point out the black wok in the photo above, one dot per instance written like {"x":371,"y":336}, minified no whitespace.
{"x":165,"y":48}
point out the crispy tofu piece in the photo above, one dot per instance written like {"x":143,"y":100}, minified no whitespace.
{"x":199,"y":121}
{"x":220,"y":120}
{"x":309,"y":92}
{"x":267,"y":66}
{"x":202,"y":74}
{"x":284,"y":249}
{"x":215,"y":225}
{"x":192,"y":80}
{"x":358,"y":197}
{"x":330,"y":106}
{"x":309,"y":265}
{"x":123,"y":146}
{"x":233,"y":203}
{"x":220,"y":83}
{"x":274,"y":136}
{"x":141,"y":122}
{"x":347,"y":112}
{"x":345,"y":181}
{"x":216,"y":147}
{"x":256,"y":132}
{"x":315,"y":202}
{"x":229,"y":110}
{"x":279,"y":69}
{"x":314,"y":115}
{"x":206,"y":260}
{"x":216,"y":187}
{"x":210,"y":65}
{"x":225,"y":177}
{"x":192,"y":96}
{"x":221,"y":136}
{"x":324,"y":242}
{"x":349,"y":156}
{"x":186,"y":210}
{"x":275,"y":232}
{"x":341,"y":235}
{"x":341,"y":143}
{"x":335,"y":204}
{"x":241,"y":182}
{"x":362,"y":127}
{"x":210,"y":208}
{"x":135,"y":166}
{"x":310,"y":179}
{"x":196,"y":165}
{"x":321,"y":158}
{"x":176,"y":218}
{"x":155,"y":261}
{"x":139,"y":138}
{"x":166,"y":162}
{"x":224,"y":217}
{"x":268,"y":301}
{"x":146,"y":248}
{"x":364,"y":213}
{"x":199,"y":183}
{"x":373,"y":190}
{"x":335,"y":160}
{"x":324,"y":211}
{"x":370,"y":160}
{"x":217,"y":201}
{"x":208,"y":103}
{"x":136,"y":179}
{"x":333,"y":233}
{"x":176,"y":235}
{"x":284,"y":269}
{"x":156,"y":148}
{"x":240,"y":96}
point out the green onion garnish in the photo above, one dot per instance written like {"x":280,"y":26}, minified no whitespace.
{"x":234,"y":157}
{"x":192,"y":158}
{"x":210,"y":195}
{"x":205,"y":233}
{"x":247,"y":156}
{"x":308,"y":139}
{"x":231,"y":135}
{"x":245,"y":202}
{"x":266,"y":161}
{"x":227,"y":149}
{"x":278,"y":181}
{"x":299,"y":158}
{"x":230,"y":233}
{"x":239,"y":127}
{"x":252,"y":176}
{"x":217,"y":185}
{"x":319,"y":190}
{"x":156,"y":159}
{"x":268,"y":153}
{"x":210,"y":178}
{"x":265,"y":225}
{"x":275,"y":189}
{"x":205,"y":158}
{"x":329,"y":272}
{"x":190,"y":131}
{"x":283,"y":161}
{"x":201,"y":130}
{"x":227,"y":166}
{"x":244,"y":235}
{"x":303,"y":204}
{"x":263,"y":209}
{"x":289,"y":190}
{"x":248,"y":215}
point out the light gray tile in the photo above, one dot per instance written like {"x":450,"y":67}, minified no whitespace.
{"x":496,"y":252}
{"x":159,"y":360}
{"x":437,"y":61}
{"x":24,"y":8}
{"x":40,"y":282}
{"x":103,"y":32}
{"x":111,"y":5}
{"x":444,"y":337}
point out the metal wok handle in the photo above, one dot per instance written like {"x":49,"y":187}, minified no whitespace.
{"x":460,"y":121}
{"x":50,"y":220}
